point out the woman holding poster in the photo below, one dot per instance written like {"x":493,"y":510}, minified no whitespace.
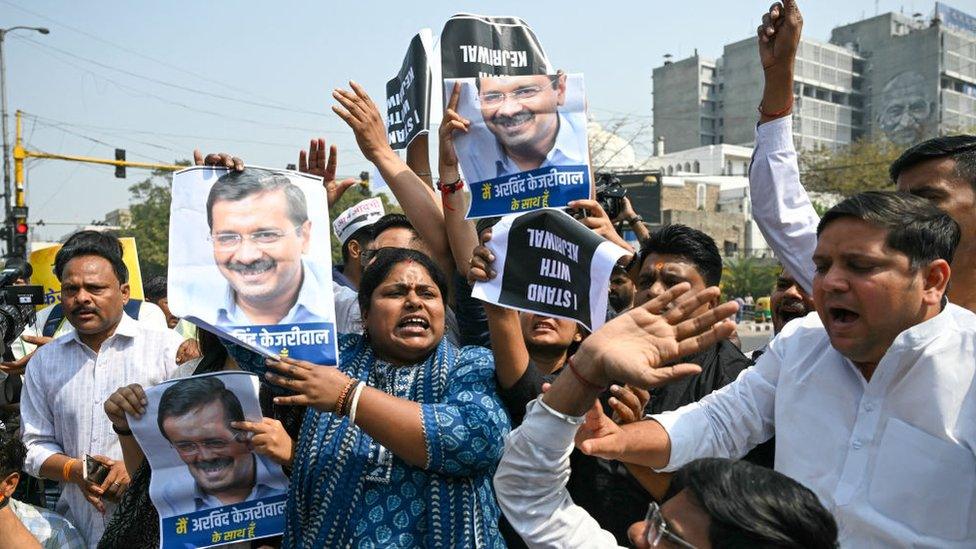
{"x":401,"y":440}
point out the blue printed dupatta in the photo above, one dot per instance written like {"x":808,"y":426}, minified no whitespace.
{"x":346,"y":489}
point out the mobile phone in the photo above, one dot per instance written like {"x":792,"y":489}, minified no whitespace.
{"x":94,"y":471}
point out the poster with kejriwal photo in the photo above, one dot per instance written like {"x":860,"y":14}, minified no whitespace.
{"x":408,"y":94}
{"x":526,"y":147}
{"x":250,"y":259}
{"x":479,"y":45}
{"x":208,"y":485}
{"x":551,"y":264}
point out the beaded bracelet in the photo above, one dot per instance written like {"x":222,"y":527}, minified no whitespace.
{"x":341,"y":401}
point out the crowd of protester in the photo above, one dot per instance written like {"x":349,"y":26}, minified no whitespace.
{"x":484,"y":426}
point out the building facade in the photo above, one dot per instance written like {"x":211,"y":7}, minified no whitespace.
{"x":902,"y":77}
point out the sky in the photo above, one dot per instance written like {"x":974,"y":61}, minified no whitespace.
{"x":255,"y":78}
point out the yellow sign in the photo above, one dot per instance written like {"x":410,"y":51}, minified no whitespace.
{"x":42,"y":261}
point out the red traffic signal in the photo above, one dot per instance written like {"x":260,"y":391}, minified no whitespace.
{"x":21,"y":228}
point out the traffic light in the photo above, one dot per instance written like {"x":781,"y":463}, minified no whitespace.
{"x":120,"y":170}
{"x":20,"y":237}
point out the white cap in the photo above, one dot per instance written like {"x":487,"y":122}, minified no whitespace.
{"x":363,"y":214}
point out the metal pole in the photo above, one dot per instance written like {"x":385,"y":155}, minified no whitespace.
{"x":6,"y":146}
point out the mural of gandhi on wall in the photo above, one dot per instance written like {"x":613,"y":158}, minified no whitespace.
{"x":906,"y":110}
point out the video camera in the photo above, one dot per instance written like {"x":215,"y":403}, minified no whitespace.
{"x":610,"y":194}
{"x":16,"y":301}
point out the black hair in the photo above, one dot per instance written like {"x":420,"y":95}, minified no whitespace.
{"x":234,"y":186}
{"x":155,"y":289}
{"x":961,"y":148}
{"x":385,"y":260}
{"x":753,"y":507}
{"x":915,"y":226}
{"x":393,"y":220}
{"x":691,"y":244}
{"x":101,"y":244}
{"x":186,"y":395}
{"x":362,"y":236}
{"x":12,"y":454}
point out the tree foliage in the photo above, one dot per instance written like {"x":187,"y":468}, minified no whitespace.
{"x":849,"y":169}
{"x":748,"y":275}
{"x":149,"y":203}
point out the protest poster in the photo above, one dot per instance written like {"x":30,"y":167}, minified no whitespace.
{"x":250,"y":260}
{"x":551,"y":264}
{"x":526,"y":147}
{"x":408,"y":93}
{"x":42,"y":261}
{"x":477,"y":45}
{"x":208,"y":484}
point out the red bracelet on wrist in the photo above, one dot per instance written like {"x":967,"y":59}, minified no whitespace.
{"x":583,"y":380}
{"x":449,"y":188}
{"x":784,"y":112}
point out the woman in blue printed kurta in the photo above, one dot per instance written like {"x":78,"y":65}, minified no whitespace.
{"x":415,"y":470}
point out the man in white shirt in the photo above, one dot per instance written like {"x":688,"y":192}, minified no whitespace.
{"x":69,"y":378}
{"x":941,"y":170}
{"x":872,"y":400}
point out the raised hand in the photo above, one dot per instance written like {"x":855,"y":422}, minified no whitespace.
{"x":598,"y":221}
{"x":220,"y":160}
{"x":452,"y":122}
{"x":125,"y":401}
{"x":779,"y":35}
{"x":314,"y":162}
{"x":359,"y":111}
{"x":637,"y":347}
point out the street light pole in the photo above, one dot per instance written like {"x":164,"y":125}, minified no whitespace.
{"x":7,"y":185}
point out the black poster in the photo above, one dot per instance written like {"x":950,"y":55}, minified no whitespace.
{"x":477,"y":45}
{"x":551,"y":264}
{"x":408,"y":94}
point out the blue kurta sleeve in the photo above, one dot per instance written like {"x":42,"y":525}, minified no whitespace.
{"x":465,"y":432}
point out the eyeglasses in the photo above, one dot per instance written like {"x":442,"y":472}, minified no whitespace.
{"x":226,"y":242}
{"x":193,"y":448}
{"x":494,"y":99}
{"x":658,"y":529}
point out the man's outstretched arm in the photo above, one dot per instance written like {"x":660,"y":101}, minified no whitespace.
{"x":780,"y":204}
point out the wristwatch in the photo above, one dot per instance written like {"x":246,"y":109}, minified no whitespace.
{"x":633,"y":220}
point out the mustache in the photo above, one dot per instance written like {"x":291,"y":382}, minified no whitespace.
{"x":82,"y":310}
{"x":262,"y":264}
{"x":215,"y":463}
{"x":517,"y":118}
